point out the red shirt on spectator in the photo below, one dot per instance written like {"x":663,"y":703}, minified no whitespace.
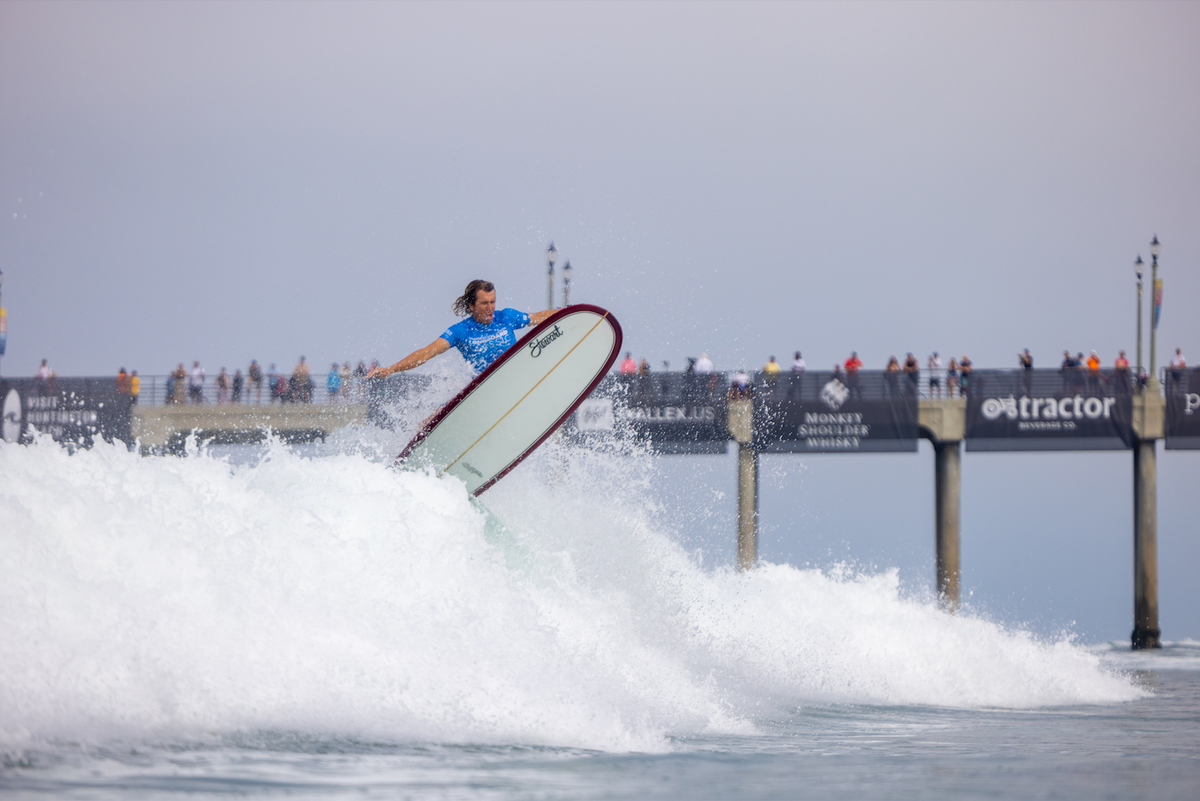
{"x":853,"y":363}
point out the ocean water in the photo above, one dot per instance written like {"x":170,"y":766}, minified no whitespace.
{"x":307,"y":622}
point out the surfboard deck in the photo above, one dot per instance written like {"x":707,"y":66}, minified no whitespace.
{"x":522,"y":398}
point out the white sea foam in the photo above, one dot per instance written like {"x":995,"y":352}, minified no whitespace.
{"x":182,"y":597}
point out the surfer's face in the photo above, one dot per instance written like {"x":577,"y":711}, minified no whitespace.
{"x":484,"y":307}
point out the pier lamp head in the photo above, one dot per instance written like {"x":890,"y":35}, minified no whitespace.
{"x":1139,"y":266}
{"x":567,"y":270}
{"x":551,"y":255}
{"x":1155,"y":248}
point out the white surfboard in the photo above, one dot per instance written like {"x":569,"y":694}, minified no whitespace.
{"x":10,"y":429}
{"x":510,"y":408}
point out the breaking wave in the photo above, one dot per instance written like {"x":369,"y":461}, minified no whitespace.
{"x":321,"y":592}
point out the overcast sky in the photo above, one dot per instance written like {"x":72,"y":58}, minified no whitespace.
{"x":227,"y":181}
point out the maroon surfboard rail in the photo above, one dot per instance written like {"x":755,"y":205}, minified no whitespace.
{"x":478,"y":380}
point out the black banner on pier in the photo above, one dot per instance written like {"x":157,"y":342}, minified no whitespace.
{"x":668,"y":412}
{"x":71,"y":410}
{"x":825,"y":412}
{"x":1183,"y":410}
{"x":1049,"y":410}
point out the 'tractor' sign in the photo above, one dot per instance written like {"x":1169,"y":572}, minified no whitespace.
{"x":1051,"y":410}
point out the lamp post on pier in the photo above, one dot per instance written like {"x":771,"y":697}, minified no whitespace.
{"x":567,"y":283}
{"x":1155,"y":299}
{"x":551,"y":255}
{"x":1138,"y":267}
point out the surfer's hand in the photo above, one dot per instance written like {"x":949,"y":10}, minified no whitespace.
{"x":378,"y":372}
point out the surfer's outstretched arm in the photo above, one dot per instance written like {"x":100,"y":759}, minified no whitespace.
{"x":440,"y":345}
{"x":414,"y":359}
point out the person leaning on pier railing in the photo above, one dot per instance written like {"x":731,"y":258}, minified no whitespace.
{"x":891,"y":378}
{"x":1093,"y":372}
{"x":1178,"y":370}
{"x":795,"y":380}
{"x":912,"y":372}
{"x":196,"y":383}
{"x":301,"y":385}
{"x":853,"y":365}
{"x":256,"y":378}
{"x":276,"y":385}
{"x":43,"y":380}
{"x":740,"y":387}
{"x":1121,"y":373}
{"x":934,"y":366}
{"x":333,"y":382}
{"x":177,"y":387}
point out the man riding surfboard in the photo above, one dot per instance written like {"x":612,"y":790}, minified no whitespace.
{"x":481,"y":338}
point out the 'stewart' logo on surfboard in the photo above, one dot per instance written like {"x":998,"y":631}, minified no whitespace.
{"x":538,"y":345}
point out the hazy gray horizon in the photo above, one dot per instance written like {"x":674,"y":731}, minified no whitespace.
{"x":233,"y":181}
{"x":228,"y":181}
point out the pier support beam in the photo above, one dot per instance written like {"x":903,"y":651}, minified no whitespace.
{"x":1146,"y":633}
{"x":741,"y":428}
{"x":747,"y":541}
{"x":944,"y":423}
{"x":948,"y":494}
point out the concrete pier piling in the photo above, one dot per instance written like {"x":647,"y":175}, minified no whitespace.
{"x":947,"y":500}
{"x":741,"y":428}
{"x":944,"y":423}
{"x":747,"y":542}
{"x":1148,"y":427}
{"x":1145,"y":547}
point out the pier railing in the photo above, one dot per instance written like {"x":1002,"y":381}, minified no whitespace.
{"x":875,"y":384}
{"x":664,"y":387}
{"x":667,"y":387}
{"x":163,"y":389}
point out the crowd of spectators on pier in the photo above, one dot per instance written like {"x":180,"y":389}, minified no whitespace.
{"x":129,"y":384}
{"x":951,"y":380}
{"x":346,"y":385}
{"x":342,"y":384}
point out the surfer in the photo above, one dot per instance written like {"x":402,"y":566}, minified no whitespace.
{"x":481,"y":338}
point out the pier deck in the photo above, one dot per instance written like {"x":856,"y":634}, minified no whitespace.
{"x":157,"y":426}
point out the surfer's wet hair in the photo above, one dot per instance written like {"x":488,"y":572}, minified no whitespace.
{"x":462,"y":306}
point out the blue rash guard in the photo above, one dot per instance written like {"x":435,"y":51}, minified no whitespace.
{"x":483,"y":344}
